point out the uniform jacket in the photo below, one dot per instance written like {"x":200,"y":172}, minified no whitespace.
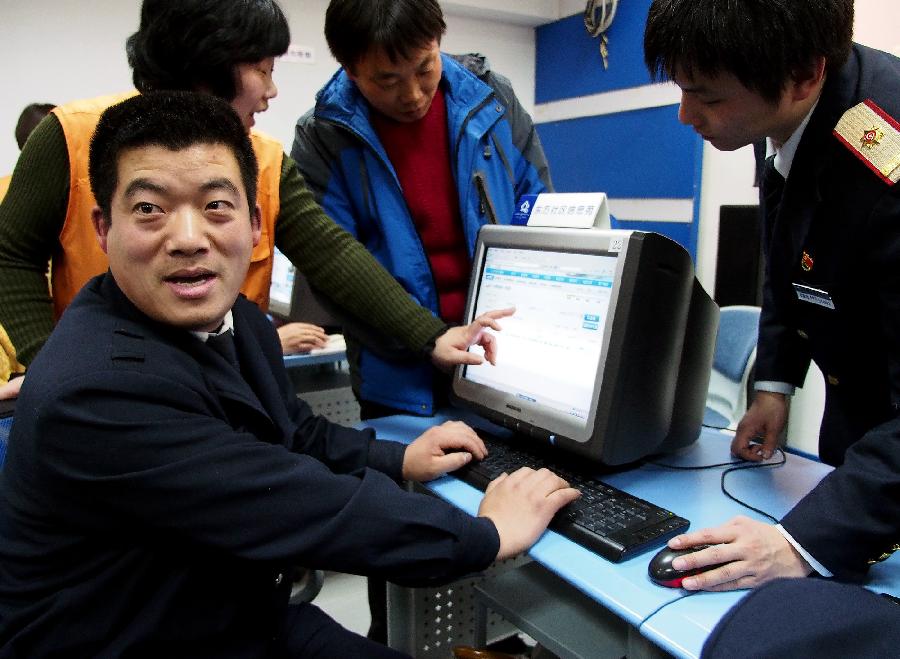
{"x":497,"y":158}
{"x":843,"y":222}
{"x":807,"y":618}
{"x":153,"y":498}
{"x":80,"y":257}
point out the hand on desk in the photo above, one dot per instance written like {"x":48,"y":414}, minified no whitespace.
{"x":301,"y":337}
{"x":451,"y":347}
{"x":11,"y":389}
{"x":441,"y":449}
{"x":765,"y":419}
{"x":752,"y":552}
{"x":521,"y":505}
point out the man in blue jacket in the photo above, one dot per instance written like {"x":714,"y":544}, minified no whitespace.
{"x":411,"y":151}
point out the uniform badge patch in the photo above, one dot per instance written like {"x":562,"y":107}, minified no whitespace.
{"x":806,"y":262}
{"x":874,"y":137}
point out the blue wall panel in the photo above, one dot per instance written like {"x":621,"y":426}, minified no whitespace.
{"x":638,"y":154}
{"x":568,"y":58}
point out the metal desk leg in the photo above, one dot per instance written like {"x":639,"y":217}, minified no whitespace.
{"x":558,"y":616}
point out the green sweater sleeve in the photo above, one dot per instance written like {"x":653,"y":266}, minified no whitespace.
{"x":341,"y":268}
{"x":31,"y":218}
{"x":33,"y":213}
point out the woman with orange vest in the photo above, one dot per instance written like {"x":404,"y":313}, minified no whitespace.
{"x":227,"y":48}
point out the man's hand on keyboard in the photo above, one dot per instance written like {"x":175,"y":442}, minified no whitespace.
{"x":441,"y":449}
{"x":301,"y":338}
{"x":11,"y":389}
{"x":521,"y":505}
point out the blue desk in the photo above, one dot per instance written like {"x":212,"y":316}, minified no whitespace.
{"x":672,"y":618}
{"x":292,"y":361}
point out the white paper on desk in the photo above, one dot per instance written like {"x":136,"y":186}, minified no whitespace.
{"x":335,"y":344}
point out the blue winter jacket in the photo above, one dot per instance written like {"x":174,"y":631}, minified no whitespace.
{"x":497,"y":157}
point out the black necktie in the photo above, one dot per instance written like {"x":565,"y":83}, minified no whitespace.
{"x":224,"y":345}
{"x":772,"y":190}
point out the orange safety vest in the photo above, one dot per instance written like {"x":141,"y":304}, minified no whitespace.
{"x":79,"y":257}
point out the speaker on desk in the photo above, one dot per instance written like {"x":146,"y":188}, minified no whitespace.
{"x":739,"y":265}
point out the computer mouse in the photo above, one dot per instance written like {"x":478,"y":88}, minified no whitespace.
{"x":661,"y":571}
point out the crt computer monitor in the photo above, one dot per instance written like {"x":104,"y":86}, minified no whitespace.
{"x":292,"y":300}
{"x":281,"y":290}
{"x":609,"y":352}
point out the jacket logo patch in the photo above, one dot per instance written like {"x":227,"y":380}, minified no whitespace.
{"x":873,"y":136}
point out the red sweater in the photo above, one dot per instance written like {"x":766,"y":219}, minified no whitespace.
{"x":420,"y":153}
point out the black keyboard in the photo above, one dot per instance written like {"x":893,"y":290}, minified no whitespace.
{"x":606,"y":520}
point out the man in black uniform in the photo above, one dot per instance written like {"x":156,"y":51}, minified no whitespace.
{"x":789,"y":73}
{"x":162,"y":476}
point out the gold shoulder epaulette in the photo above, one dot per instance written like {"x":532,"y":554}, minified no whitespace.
{"x":874,"y":137}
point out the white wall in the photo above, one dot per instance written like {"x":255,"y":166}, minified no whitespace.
{"x":60,"y":50}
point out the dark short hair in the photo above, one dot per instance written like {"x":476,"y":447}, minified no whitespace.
{"x":763,"y":43}
{"x":354,"y":28}
{"x":31,"y":116}
{"x":174,"y":120}
{"x":195,"y":45}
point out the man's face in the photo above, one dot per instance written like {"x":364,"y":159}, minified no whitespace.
{"x":181,"y":234}
{"x":728,"y":115}
{"x":402,"y":91}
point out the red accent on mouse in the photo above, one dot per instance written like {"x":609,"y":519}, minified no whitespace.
{"x":662,"y":573}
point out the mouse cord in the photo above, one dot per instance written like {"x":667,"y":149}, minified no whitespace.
{"x":734,"y":465}
{"x":753,"y":465}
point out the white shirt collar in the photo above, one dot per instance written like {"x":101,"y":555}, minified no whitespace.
{"x":227,"y":324}
{"x":784,"y":156}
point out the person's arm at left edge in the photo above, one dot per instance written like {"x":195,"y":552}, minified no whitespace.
{"x":342,"y":268}
{"x":11,"y":389}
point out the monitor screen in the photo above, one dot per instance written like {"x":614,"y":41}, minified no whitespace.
{"x":282,"y":288}
{"x":550,"y":348}
{"x":609,"y":351}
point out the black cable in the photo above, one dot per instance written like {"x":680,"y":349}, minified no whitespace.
{"x":734,"y":465}
{"x":709,"y":427}
{"x":753,"y":465}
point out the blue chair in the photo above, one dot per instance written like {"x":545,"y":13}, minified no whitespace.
{"x":733,"y":361}
{"x":5,"y":425}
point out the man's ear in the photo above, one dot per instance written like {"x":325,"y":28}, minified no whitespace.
{"x":101,"y":227}
{"x":256,"y":224}
{"x":808,"y":80}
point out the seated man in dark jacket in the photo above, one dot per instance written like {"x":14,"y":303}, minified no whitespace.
{"x":158,"y":484}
